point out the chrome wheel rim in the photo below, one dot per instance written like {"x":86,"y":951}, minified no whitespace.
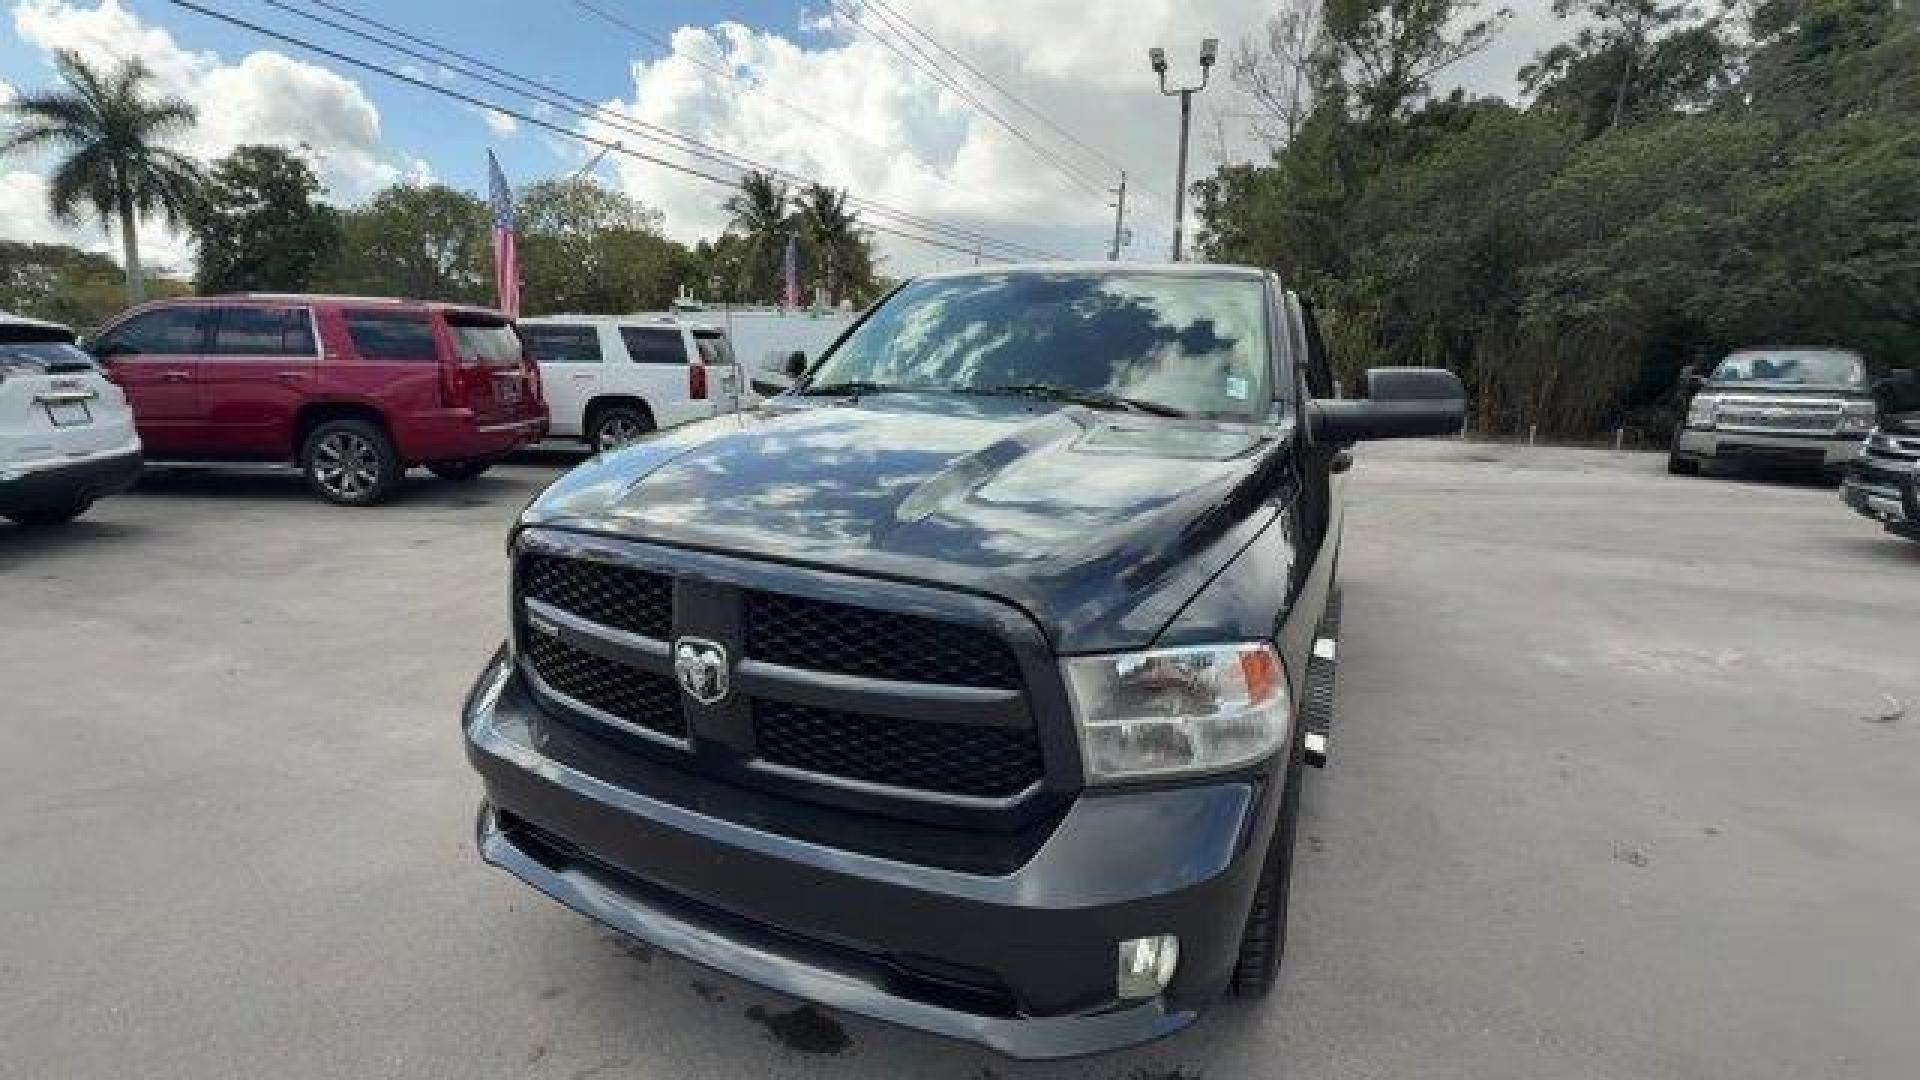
{"x":346,"y":465}
{"x":618,"y":430}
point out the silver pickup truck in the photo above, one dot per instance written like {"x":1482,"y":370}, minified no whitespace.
{"x":1805,"y":407}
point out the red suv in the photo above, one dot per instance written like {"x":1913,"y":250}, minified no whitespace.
{"x":352,"y":390}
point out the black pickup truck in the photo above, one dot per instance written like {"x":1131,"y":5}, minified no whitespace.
{"x":967,"y":685}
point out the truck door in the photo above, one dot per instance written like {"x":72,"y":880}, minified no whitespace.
{"x":155,"y":357}
{"x":258,"y":371}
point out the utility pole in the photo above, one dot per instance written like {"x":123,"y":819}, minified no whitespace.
{"x":1209,"y":52}
{"x":1119,"y":217}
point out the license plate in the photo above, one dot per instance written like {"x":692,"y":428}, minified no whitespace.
{"x":69,"y":413}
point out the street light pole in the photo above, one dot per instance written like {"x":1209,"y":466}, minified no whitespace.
{"x":1209,"y":52}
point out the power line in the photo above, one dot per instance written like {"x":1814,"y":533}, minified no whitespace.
{"x":990,"y":81}
{"x":650,"y":132}
{"x":559,"y":99}
{"x":925,"y":64}
{"x":524,"y":117}
{"x":742,"y":84}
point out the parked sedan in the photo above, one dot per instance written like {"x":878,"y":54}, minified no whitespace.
{"x":66,"y":433}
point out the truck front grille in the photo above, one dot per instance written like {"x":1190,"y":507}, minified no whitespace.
{"x":954,"y":759}
{"x":640,"y":698}
{"x":953,"y":728}
{"x":618,"y":596}
{"x":1787,"y":416}
{"x":801,"y":632}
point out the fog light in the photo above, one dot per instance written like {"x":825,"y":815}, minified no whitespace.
{"x":1146,"y":965}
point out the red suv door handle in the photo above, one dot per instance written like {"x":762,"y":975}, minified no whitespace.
{"x":176,"y":376}
{"x":289,"y":376}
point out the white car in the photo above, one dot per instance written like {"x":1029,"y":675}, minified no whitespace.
{"x":610,"y":380}
{"x":66,"y":433}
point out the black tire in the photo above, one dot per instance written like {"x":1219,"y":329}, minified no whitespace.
{"x":41,"y":517}
{"x":1682,"y":466}
{"x":1264,"y":941}
{"x":459,"y":471}
{"x":350,"y":462}
{"x":614,"y":426}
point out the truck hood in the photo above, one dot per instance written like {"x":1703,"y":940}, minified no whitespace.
{"x":1099,"y":525}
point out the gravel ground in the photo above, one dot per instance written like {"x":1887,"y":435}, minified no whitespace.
{"x":1626,"y":783}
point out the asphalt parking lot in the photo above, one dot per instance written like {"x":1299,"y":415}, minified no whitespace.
{"x":1626,"y":783}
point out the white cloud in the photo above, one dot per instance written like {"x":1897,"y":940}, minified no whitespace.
{"x":1083,"y":64}
{"x":502,"y":125}
{"x":267,"y":97}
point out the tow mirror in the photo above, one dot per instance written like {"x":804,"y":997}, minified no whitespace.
{"x":1401,"y":403}
{"x":796,"y":364}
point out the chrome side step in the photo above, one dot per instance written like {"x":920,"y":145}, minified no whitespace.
{"x":1316,"y":704}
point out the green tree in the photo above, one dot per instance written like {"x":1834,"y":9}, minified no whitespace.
{"x":1386,"y":53}
{"x":1631,"y":58}
{"x":588,"y":249}
{"x":428,"y":242}
{"x":761,"y":215}
{"x":839,"y":252}
{"x":260,"y":225}
{"x":68,"y":285}
{"x":113,"y":134}
{"x":1759,"y":190}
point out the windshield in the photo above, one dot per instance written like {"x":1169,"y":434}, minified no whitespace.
{"x":46,"y":355}
{"x":1167,"y":342}
{"x":1805,"y":366}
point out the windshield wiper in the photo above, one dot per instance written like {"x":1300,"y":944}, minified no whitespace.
{"x":853,"y":389}
{"x":1093,"y":399}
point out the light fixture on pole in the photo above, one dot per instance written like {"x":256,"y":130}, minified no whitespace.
{"x":1209,"y":52}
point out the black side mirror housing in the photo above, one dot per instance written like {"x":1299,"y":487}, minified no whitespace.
{"x":1401,"y":403}
{"x":796,"y":364}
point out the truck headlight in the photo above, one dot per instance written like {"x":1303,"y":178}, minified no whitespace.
{"x":1700,"y":413}
{"x":1175,"y":712}
{"x":1856,"y":417}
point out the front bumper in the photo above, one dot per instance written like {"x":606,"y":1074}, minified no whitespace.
{"x":69,"y":480}
{"x":1825,"y":451}
{"x":1022,"y":962}
{"x":1897,"y":508}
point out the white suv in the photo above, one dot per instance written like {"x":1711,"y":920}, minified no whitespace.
{"x":66,"y":433}
{"x":609,"y":381}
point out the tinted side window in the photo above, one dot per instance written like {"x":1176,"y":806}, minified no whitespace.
{"x":654,"y":344}
{"x":392,"y":335}
{"x":252,"y":331}
{"x":173,"y":331}
{"x":561,"y":344}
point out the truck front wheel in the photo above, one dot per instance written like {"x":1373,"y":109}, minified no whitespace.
{"x":1265,"y":938}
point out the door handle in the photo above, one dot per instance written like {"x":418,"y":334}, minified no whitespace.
{"x":289,"y":376}
{"x":1342,"y":460}
{"x":584,"y":376}
{"x":177,"y":376}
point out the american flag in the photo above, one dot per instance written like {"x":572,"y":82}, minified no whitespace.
{"x":790,"y":267}
{"x":506,"y":249}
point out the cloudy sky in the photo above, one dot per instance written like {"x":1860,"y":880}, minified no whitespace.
{"x":794,"y":84}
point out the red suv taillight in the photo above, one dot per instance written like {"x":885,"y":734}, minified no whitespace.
{"x":697,"y":381}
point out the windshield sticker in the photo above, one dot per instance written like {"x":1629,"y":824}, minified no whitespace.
{"x":1237,"y":388}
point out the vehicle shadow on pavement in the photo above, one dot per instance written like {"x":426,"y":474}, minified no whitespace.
{"x":24,"y":543}
{"x":416,"y":489}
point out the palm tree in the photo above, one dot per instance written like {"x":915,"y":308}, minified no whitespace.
{"x":760,"y":215}
{"x":116,"y":166}
{"x":834,"y":237}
